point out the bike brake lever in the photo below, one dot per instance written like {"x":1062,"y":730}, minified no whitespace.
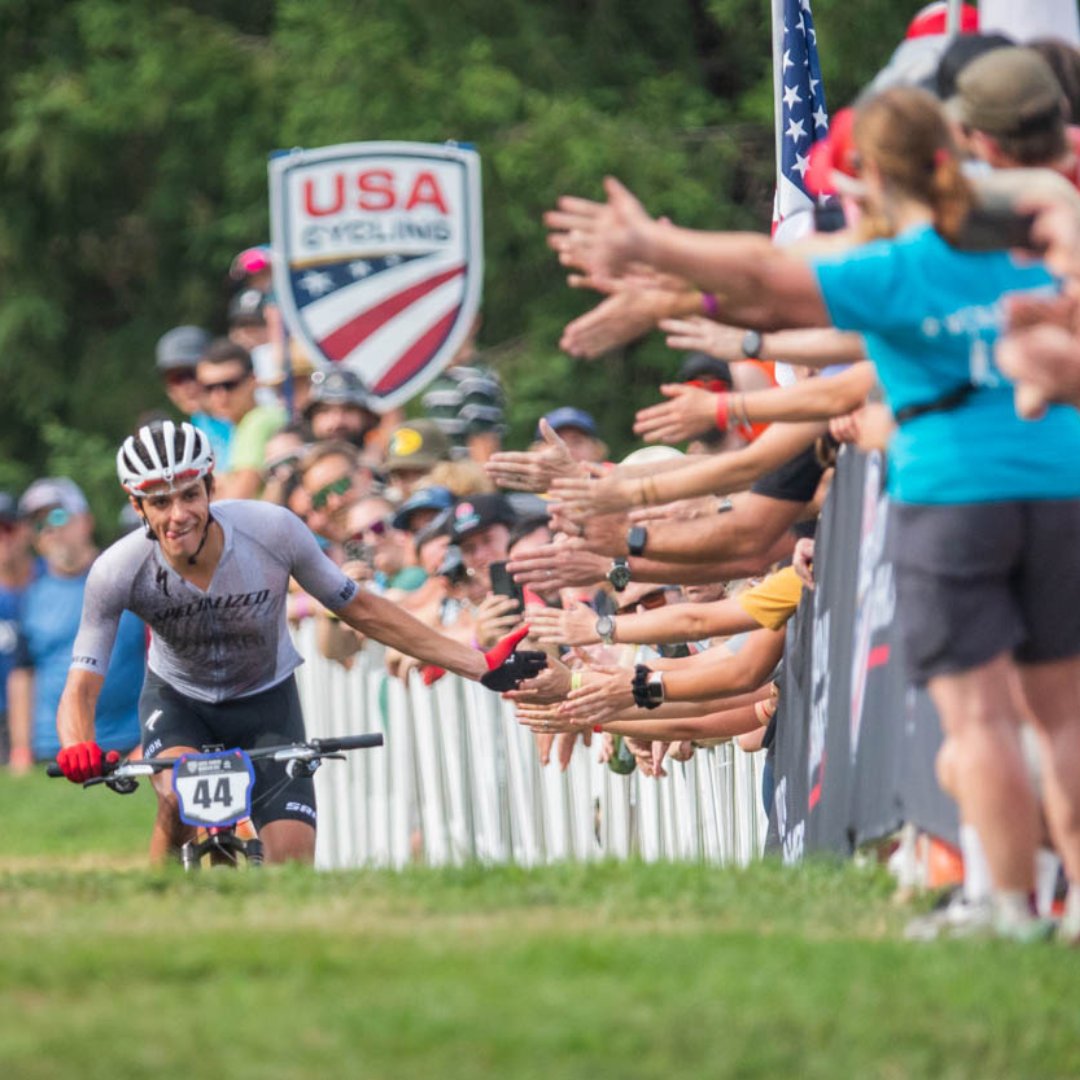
{"x":123,"y":785}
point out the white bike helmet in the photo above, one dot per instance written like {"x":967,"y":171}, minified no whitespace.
{"x":163,"y":453}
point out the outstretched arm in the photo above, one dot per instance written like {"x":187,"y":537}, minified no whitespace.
{"x":756,"y":284}
{"x":690,"y":410}
{"x":576,"y":625}
{"x":720,"y":475}
{"x":377,"y":618}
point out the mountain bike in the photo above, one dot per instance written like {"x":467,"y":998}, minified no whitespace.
{"x":214,"y":790}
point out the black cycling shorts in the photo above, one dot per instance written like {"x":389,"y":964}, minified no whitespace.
{"x":270,"y":718}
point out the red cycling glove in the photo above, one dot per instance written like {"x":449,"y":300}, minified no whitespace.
{"x":83,"y":761}
{"x":507,"y":668}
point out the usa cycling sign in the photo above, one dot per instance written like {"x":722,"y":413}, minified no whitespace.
{"x":378,"y":257}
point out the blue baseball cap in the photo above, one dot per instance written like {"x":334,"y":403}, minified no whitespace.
{"x":430,"y":498}
{"x":568,"y":416}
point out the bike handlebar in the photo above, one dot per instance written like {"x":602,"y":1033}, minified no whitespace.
{"x":314,"y":748}
{"x":349,"y":742}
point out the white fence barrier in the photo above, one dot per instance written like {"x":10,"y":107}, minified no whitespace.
{"x":459,"y":780}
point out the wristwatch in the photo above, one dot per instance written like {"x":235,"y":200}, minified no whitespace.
{"x":605,"y":629}
{"x":647,"y":687}
{"x":636,"y":540}
{"x":619,"y":574}
{"x":751,"y":345}
{"x":654,"y":688}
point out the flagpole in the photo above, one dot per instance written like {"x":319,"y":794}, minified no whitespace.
{"x":778,"y":81}
{"x":952,"y":21}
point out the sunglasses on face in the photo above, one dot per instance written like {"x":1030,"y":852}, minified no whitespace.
{"x":283,"y":467}
{"x":377,"y":528}
{"x":56,"y":518}
{"x":321,"y":497}
{"x":180,"y":378}
{"x":226,"y":386}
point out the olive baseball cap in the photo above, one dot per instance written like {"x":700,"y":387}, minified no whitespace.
{"x":417,"y":444}
{"x":1007,"y":92}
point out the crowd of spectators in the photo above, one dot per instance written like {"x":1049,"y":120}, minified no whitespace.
{"x":660,"y":586}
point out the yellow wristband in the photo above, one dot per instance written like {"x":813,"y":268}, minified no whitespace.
{"x":576,"y":679}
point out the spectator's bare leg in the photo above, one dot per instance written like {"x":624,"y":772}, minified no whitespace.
{"x":1053,"y":693}
{"x":992,"y":785}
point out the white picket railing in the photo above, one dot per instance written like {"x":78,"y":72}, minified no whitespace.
{"x":459,"y":780}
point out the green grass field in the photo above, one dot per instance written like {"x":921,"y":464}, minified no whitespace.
{"x":109,"y":970}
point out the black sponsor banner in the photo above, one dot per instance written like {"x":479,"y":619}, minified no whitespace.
{"x":787,"y":819}
{"x":855,"y":745}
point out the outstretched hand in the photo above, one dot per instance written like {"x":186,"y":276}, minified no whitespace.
{"x":507,"y":668}
{"x":534,"y":470}
{"x":699,"y":334}
{"x":599,"y":239}
{"x":572,"y":625}
{"x":582,"y":498}
{"x":688,"y":413}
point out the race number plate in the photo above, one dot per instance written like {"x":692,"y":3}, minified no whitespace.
{"x":214,"y":789}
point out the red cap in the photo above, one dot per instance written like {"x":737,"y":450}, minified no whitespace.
{"x":934,"y":19}
{"x":834,"y":153}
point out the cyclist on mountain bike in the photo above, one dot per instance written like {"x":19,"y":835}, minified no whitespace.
{"x":211,"y":582}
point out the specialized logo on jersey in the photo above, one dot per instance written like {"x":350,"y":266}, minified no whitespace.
{"x":378,"y":257}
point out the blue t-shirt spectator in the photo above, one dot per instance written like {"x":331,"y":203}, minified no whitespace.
{"x":10,"y":612}
{"x":220,"y":433}
{"x":52,"y":607}
{"x":930,"y":316}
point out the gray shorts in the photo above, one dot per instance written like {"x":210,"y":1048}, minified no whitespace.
{"x":975,"y":580}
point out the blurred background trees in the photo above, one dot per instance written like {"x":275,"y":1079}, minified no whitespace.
{"x":134,"y":137}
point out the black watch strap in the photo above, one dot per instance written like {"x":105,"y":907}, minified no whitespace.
{"x":636,"y":539}
{"x":639,"y":687}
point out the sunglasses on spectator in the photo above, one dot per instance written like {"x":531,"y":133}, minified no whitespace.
{"x":56,"y":518}
{"x":283,"y":466}
{"x":321,"y":497}
{"x":180,"y":377}
{"x":227,"y":386}
{"x":377,"y":528}
{"x":649,"y":602}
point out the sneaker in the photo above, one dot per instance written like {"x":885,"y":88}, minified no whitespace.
{"x":1014,"y":919}
{"x":1069,"y":927}
{"x":1025,"y":931}
{"x":959,"y":918}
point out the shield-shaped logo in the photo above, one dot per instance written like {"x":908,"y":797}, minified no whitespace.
{"x":378,"y":257}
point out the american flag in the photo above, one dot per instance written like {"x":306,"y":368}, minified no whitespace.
{"x":801,"y":117}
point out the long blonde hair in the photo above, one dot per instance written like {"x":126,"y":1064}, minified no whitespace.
{"x":905,"y":134}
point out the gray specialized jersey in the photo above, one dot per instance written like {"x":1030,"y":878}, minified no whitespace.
{"x":231,"y":640}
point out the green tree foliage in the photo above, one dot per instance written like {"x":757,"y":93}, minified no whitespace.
{"x":134,"y":136}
